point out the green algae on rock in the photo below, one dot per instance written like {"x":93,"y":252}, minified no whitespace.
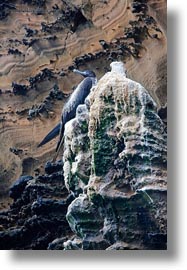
{"x":127,"y":182}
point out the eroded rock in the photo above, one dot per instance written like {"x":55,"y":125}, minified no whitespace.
{"x":102,"y":161}
{"x":37,"y":215}
{"x":40,"y":50}
{"x":125,"y":197}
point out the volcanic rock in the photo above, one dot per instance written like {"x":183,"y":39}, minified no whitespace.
{"x":43,"y":41}
{"x":124,"y":199}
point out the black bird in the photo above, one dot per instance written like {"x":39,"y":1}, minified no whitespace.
{"x":69,"y":109}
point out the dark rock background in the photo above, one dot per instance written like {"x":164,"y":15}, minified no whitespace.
{"x":38,"y":214}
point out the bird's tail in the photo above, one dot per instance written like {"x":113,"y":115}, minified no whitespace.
{"x":61,"y":138}
{"x":51,"y":135}
{"x":60,"y":142}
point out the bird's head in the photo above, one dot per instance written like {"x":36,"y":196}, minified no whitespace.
{"x":85,"y":73}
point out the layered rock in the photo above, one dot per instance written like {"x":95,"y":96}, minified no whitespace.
{"x":111,"y":186}
{"x":42,"y":41}
{"x":37,"y":216}
{"x":122,"y":204}
{"x":115,"y":149}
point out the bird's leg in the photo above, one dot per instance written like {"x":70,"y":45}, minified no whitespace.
{"x":57,"y":152}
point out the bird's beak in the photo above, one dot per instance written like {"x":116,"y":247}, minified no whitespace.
{"x":79,"y":72}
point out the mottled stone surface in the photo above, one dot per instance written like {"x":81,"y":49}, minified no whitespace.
{"x":114,"y":163}
{"x":37,"y":217}
{"x":77,"y":156}
{"x":42,"y":41}
{"x":124,"y":202}
{"x":109,"y":191}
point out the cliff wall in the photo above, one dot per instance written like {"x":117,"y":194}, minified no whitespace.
{"x":109,"y":191}
{"x":108,"y":188}
{"x":115,"y":158}
{"x":41,"y":41}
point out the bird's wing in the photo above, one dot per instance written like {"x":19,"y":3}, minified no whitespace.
{"x":77,"y":98}
{"x":51,"y":135}
{"x":69,"y":110}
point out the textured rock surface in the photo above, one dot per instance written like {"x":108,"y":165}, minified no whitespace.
{"x":124,"y":201}
{"x":109,"y":192}
{"x":42,"y":41}
{"x":38,"y":214}
{"x":77,"y":156}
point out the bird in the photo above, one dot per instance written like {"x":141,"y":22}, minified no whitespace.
{"x":69,"y":110}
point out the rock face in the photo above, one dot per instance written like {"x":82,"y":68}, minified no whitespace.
{"x":122,"y":205}
{"x":108,"y":190}
{"x":43,"y":41}
{"x":37,"y":216}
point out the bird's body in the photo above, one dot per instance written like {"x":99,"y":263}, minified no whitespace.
{"x":69,"y":109}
